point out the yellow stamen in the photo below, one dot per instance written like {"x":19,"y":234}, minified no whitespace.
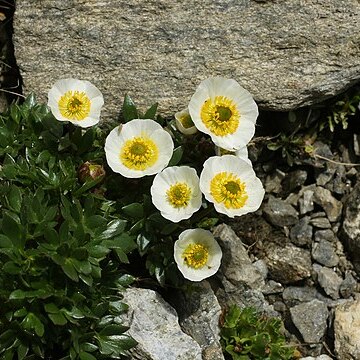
{"x":179,"y":195}
{"x":227,"y":188}
{"x":196,"y":255}
{"x":220,"y":115}
{"x":74,"y":105}
{"x":139,"y":153}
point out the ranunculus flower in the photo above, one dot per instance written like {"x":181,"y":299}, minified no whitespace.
{"x":184,"y":123}
{"x":226,"y":111}
{"x":138,"y":148}
{"x":176,"y":193}
{"x":77,"y":101}
{"x":197,"y":254}
{"x":231,"y":184}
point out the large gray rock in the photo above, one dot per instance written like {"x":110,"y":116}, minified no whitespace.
{"x":154,"y":325}
{"x":286,"y":54}
{"x":236,"y":265}
{"x":347,"y":330}
{"x":350,"y":231}
{"x":199,"y":313}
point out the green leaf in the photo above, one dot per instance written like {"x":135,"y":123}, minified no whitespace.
{"x":88,"y":347}
{"x":22,"y":350}
{"x":20,"y":313}
{"x":5,"y":242}
{"x":143,"y":241}
{"x":88,"y":280}
{"x":86,"y":356}
{"x":7,"y":338}
{"x":151,"y":112}
{"x":121,"y":256}
{"x":176,"y":157}
{"x":232,"y":316}
{"x":11,"y":268}
{"x":129,"y":109}
{"x":86,"y":141}
{"x":12,"y":229}
{"x":113,"y":329}
{"x":80,"y":253}
{"x":115,"y":345}
{"x":134,"y":210}
{"x":17,"y":295}
{"x":274,"y":146}
{"x":15,"y":198}
{"x":31,"y":321}
{"x":51,"y":308}
{"x":114,"y":227}
{"x":58,"y":319}
{"x":69,"y":270}
{"x":125,"y":280}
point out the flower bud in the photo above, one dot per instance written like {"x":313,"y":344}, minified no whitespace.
{"x":184,"y":123}
{"x":88,"y":171}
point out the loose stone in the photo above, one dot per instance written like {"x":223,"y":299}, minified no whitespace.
{"x":301,"y":233}
{"x":348,"y":286}
{"x":310,"y":319}
{"x":306,"y":202}
{"x":328,"y":280}
{"x":288,"y":264}
{"x":332,"y":207}
{"x":280,"y":213}
{"x":324,"y":252}
{"x":320,"y":222}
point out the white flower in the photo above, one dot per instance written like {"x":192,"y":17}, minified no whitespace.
{"x":77,"y":101}
{"x":197,"y":254}
{"x":176,"y":193}
{"x":184,"y":123}
{"x":241,"y":153}
{"x":231,"y":184}
{"x":138,"y":148}
{"x":224,"y":110}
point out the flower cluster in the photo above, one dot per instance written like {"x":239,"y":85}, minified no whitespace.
{"x":220,"y":108}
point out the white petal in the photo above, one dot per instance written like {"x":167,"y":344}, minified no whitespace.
{"x":92,"y":92}
{"x":200,"y":236}
{"x":243,"y":170}
{"x":162,"y":183}
{"x":138,"y":128}
{"x":218,"y":86}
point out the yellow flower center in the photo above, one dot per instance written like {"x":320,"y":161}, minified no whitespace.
{"x":186,"y":121}
{"x":74,"y":105}
{"x":227,"y":188}
{"x":139,"y":153}
{"x":179,"y":195}
{"x":220,"y":115}
{"x":196,"y":256}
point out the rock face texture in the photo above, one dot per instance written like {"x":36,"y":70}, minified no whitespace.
{"x":350,"y":232}
{"x":346,"y":326}
{"x":286,"y":53}
{"x":154,"y":325}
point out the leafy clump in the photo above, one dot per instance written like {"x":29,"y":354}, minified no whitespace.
{"x":61,"y":244}
{"x":341,"y":111}
{"x":245,"y":335}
